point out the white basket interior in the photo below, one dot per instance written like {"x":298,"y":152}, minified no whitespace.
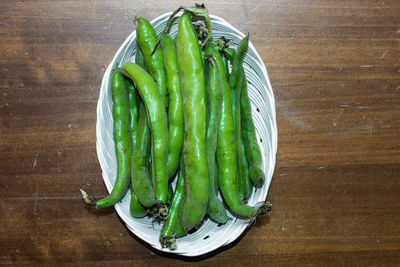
{"x":209,"y":236}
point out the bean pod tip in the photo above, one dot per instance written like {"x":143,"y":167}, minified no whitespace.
{"x":87,"y":199}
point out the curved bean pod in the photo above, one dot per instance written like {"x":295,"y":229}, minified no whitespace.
{"x":157,"y":118}
{"x":141,"y":181}
{"x":135,"y":208}
{"x":226,"y":156}
{"x":238,"y":62}
{"x":147,"y":40}
{"x":122,"y":140}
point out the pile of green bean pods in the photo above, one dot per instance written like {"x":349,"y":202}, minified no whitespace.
{"x":179,"y":113}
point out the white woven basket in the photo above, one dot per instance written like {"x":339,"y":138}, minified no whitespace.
{"x":209,"y":236}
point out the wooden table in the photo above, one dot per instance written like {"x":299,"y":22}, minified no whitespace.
{"x":335,"y":71}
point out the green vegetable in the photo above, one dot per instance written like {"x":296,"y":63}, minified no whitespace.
{"x":139,"y":58}
{"x":226,"y":66}
{"x":248,"y":186}
{"x":235,"y":85}
{"x":135,"y":208}
{"x":215,"y":209}
{"x":243,"y":166}
{"x":194,"y":106}
{"x":147,"y":40}
{"x":133,"y":110}
{"x":122,"y":140}
{"x":167,"y":232}
{"x":253,"y":153}
{"x":170,"y":193}
{"x":175,"y":111}
{"x":141,"y":181}
{"x":230,"y":54}
{"x":157,"y":118}
{"x":179,"y":229}
{"x":226,"y":156}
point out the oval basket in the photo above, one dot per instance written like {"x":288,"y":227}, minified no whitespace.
{"x":209,"y":236}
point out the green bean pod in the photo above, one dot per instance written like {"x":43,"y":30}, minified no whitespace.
{"x":235,"y":86}
{"x":252,"y":149}
{"x":238,"y":139}
{"x":157,"y":118}
{"x":141,"y":181}
{"x":243,"y":166}
{"x":216,"y":209}
{"x":253,"y":152}
{"x":170,"y":193}
{"x":168,"y":229}
{"x":226,"y":155}
{"x":200,"y":10}
{"x":147,"y":40}
{"x":139,"y":58}
{"x":248,"y":187}
{"x":221,"y":45}
{"x":203,"y":53}
{"x":226,"y":66}
{"x":179,"y":229}
{"x":194,"y":106}
{"x":133,"y":110}
{"x":135,"y":208}
{"x":238,"y":62}
{"x":122,"y":140}
{"x":175,"y":110}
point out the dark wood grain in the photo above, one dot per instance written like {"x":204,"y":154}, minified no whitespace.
{"x":335,"y":70}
